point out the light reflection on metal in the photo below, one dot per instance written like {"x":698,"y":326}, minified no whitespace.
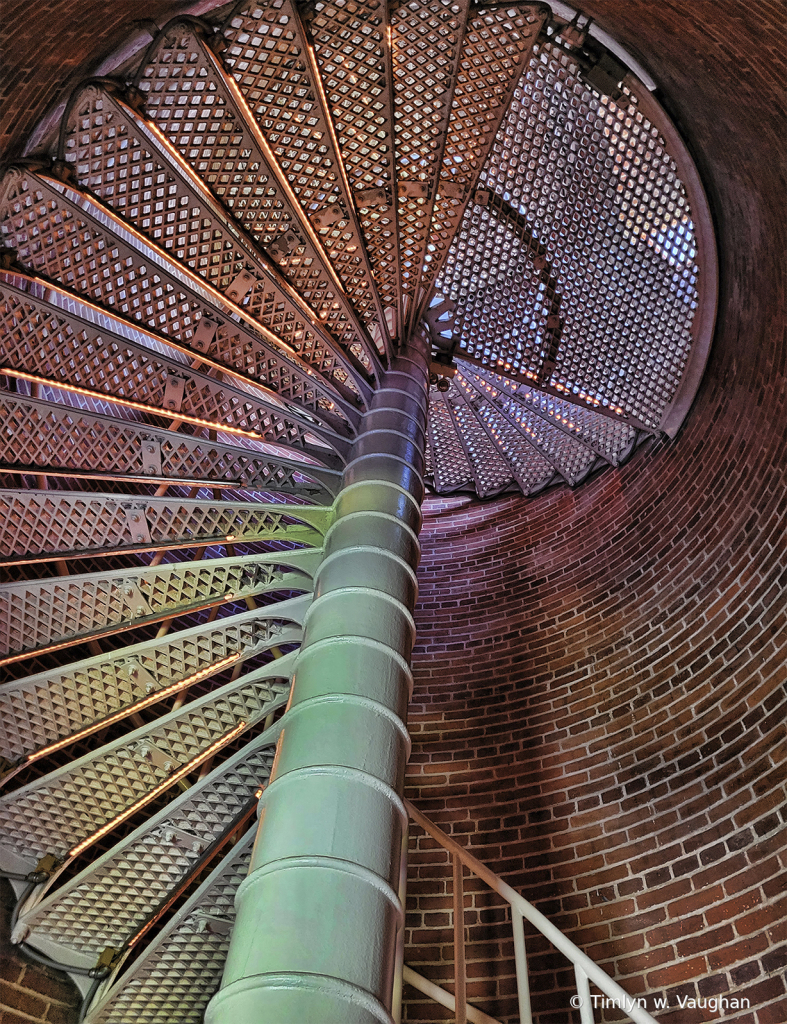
{"x":352,"y":48}
{"x":162,"y":787}
{"x":128,"y":403}
{"x":131,"y":709}
{"x":67,"y":441}
{"x":217,"y":163}
{"x":286,"y":97}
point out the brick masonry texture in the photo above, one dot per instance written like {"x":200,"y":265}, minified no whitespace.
{"x":597,"y":712}
{"x":29,"y":992}
{"x":599,"y":709}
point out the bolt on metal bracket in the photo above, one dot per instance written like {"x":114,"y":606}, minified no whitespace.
{"x":147,"y":751}
{"x":413,"y":190}
{"x":369,"y":197}
{"x":137,"y":522}
{"x":136,"y":673}
{"x":283,"y":245}
{"x":174,"y":390}
{"x":240,"y":286}
{"x":204,"y":334}
{"x":179,"y":837}
{"x":134,"y":600}
{"x":331,"y":215}
{"x":151,"y":456}
{"x":212,"y":925}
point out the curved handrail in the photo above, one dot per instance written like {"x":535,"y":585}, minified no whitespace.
{"x":586,"y":970}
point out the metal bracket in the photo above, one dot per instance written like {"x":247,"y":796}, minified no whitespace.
{"x":331,"y":215}
{"x":147,"y":751}
{"x":204,"y":334}
{"x":212,"y":925}
{"x":451,"y":189}
{"x":137,"y":674}
{"x":369,"y":197}
{"x":137,"y":522}
{"x":47,"y":865}
{"x":283,"y":245}
{"x":174,"y":389}
{"x":135,"y":601}
{"x":151,"y":456}
{"x":179,"y":837}
{"x":240,"y":286}
{"x":606,"y":76}
{"x":413,"y":190}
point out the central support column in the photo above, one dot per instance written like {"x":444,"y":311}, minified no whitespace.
{"x":315,"y":936}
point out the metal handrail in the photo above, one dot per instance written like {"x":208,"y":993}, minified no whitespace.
{"x":443,"y":997}
{"x":585,"y":969}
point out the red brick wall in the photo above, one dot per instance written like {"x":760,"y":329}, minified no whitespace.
{"x":29,"y":992}
{"x":599,"y":708}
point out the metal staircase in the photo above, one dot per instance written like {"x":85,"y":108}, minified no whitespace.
{"x":211,"y":268}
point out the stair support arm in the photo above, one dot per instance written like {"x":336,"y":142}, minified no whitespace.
{"x":318,"y":915}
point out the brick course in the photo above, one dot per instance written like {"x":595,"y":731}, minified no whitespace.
{"x":29,"y":992}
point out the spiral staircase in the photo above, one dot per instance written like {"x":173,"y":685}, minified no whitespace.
{"x":210,"y":264}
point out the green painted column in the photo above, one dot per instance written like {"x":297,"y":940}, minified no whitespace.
{"x":315,"y":936}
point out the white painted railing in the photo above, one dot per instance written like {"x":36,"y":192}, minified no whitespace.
{"x":585,"y":969}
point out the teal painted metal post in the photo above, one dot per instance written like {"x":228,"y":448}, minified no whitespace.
{"x":315,"y":937}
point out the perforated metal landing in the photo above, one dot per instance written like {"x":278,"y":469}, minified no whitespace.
{"x":208,"y":265}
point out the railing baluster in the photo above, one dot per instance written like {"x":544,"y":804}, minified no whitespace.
{"x":583,"y":991}
{"x":585,"y":968}
{"x":520,"y":958}
{"x":459,"y":942}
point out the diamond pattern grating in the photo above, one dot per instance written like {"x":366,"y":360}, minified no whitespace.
{"x":39,"y":613}
{"x":82,"y":349}
{"x":593,"y":180}
{"x":63,"y":235}
{"x":62,"y":809}
{"x":191,"y":100}
{"x":56,"y":524}
{"x":47,"y":435}
{"x":269,"y":57}
{"x":44,"y":708}
{"x":182,"y":969}
{"x":351,"y":45}
{"x":110,"y":900}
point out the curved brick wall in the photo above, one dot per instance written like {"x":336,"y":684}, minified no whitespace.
{"x":599,"y":709}
{"x":597,"y":712}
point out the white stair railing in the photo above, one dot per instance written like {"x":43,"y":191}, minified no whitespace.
{"x":585,"y":969}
